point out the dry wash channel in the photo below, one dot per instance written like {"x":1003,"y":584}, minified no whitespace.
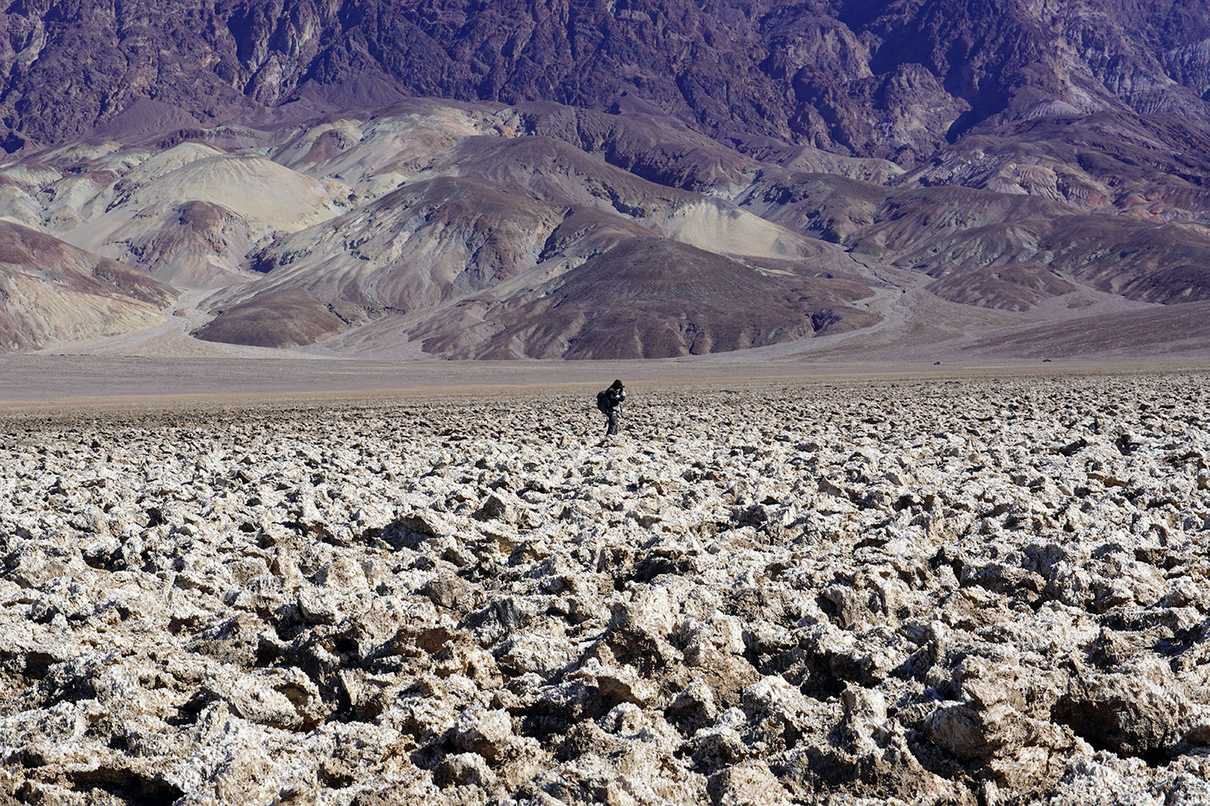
{"x":942,"y":592}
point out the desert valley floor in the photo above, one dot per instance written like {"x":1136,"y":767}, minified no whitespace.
{"x":304,"y":497}
{"x":941,"y":590}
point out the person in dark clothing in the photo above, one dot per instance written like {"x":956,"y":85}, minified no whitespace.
{"x":609,"y":401}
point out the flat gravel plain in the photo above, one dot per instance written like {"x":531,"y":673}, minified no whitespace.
{"x":961,"y":592}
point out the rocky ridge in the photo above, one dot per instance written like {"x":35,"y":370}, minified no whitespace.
{"x":393,"y":177}
{"x":546,"y":231}
{"x":936,"y":592}
{"x":896,"y":80}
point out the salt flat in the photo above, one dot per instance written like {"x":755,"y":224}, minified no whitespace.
{"x":964,"y":590}
{"x":73,"y":382}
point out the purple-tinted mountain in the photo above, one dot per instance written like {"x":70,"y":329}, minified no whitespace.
{"x":889,"y":79}
{"x":496,"y":179}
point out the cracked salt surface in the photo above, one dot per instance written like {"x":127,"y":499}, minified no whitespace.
{"x":982,"y":591}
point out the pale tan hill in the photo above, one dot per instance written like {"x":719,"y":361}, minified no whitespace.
{"x":148,"y":165}
{"x":721,"y":227}
{"x":447,"y":226}
{"x":507,"y":216}
{"x":415,"y":247}
{"x":189,"y":213}
{"x":187,"y":244}
{"x":50,"y":291}
{"x":254,"y":188}
{"x":375,"y":154}
{"x":560,"y":174}
{"x":458,"y":260}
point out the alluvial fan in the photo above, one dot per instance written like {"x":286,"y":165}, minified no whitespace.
{"x":944,"y":592}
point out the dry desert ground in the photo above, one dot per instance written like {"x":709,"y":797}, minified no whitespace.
{"x":975,"y":590}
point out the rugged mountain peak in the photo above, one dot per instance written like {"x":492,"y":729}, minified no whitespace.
{"x":895,"y":80}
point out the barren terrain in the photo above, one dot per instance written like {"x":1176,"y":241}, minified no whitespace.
{"x":942,"y":591}
{"x":393,"y":179}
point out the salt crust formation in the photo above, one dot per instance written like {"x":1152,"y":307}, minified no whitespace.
{"x":946,"y":592}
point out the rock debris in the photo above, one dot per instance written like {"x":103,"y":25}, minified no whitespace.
{"x":948,"y":592}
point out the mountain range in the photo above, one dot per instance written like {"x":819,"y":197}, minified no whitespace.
{"x":612,"y":179}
